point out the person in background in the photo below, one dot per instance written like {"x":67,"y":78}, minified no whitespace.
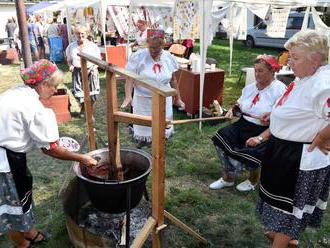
{"x":241,"y":144}
{"x":295,"y":172}
{"x":189,"y":44}
{"x":141,"y":35}
{"x":40,"y":36}
{"x":64,"y":34}
{"x":53,"y":29}
{"x":26,"y":124}
{"x":156,"y":64}
{"x":10,"y":29}
{"x":32,"y":38}
{"x":82,"y":44}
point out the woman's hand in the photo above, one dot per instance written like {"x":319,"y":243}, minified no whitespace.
{"x":265,"y":118}
{"x":71,"y":68}
{"x":179,"y":103}
{"x":252,"y":142}
{"x":322,"y":144}
{"x":126,"y":103}
{"x":87,"y":160}
{"x":229,"y":114}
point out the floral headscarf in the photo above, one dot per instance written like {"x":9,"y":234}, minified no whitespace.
{"x":38,"y":72}
{"x":271,"y":61}
{"x":155,"y":34}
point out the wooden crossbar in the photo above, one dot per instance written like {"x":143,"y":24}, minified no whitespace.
{"x":151,"y":85}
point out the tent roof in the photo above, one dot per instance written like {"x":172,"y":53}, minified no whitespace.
{"x":39,"y":6}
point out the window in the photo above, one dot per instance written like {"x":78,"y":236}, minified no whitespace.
{"x":295,"y":22}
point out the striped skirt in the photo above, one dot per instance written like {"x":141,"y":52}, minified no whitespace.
{"x":290,"y":199}
{"x":231,"y":149}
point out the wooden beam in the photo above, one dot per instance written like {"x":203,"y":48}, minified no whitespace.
{"x":184,"y":227}
{"x":124,"y":117}
{"x":187,"y":121}
{"x":88,"y":106}
{"x":144,"y":233}
{"x":158,"y":161}
{"x":152,"y":85}
{"x":100,"y":63}
{"x":141,"y":81}
{"x":113,"y":129}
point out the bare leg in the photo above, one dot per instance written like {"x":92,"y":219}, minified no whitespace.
{"x":281,"y":240}
{"x":19,"y":239}
{"x":254,"y":176}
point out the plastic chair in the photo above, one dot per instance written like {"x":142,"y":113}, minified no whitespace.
{"x":177,"y":50}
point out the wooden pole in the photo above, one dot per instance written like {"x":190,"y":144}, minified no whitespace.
{"x":113,"y":129}
{"x":187,"y":121}
{"x":144,"y":233}
{"x":88,"y":106}
{"x":23,"y":32}
{"x":158,"y":161}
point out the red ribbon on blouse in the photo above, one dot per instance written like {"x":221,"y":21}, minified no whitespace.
{"x":285,"y":95}
{"x":154,"y":68}
{"x":328,"y":102}
{"x":255,"y":100}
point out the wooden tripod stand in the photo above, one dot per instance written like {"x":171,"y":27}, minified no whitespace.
{"x":155,"y":223}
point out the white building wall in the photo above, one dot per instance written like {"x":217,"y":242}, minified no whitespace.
{"x":6,"y":11}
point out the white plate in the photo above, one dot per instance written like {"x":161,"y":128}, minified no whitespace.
{"x":70,"y":144}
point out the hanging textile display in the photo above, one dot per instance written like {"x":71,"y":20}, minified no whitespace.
{"x":185,"y":22}
{"x":277,"y":27}
{"x":120,"y":15}
{"x":239,"y":22}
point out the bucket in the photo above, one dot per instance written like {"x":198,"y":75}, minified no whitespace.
{"x":111,"y":196}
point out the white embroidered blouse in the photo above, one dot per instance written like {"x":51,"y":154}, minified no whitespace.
{"x":24,"y":123}
{"x":257,"y":102}
{"x":161,"y":71}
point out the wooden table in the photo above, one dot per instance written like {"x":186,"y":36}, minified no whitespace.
{"x":188,"y":82}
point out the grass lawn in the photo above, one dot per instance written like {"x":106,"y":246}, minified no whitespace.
{"x":226,"y":218}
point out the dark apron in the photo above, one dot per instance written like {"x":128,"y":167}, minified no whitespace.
{"x":22,"y":177}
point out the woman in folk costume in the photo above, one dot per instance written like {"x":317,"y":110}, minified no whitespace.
{"x":25,"y":123}
{"x":241,"y":144}
{"x":295,"y":176}
{"x":160,"y":66}
{"x":82,"y":44}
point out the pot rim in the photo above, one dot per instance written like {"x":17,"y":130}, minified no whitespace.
{"x":76,"y":167}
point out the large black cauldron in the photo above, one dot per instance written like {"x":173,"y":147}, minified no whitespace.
{"x":114,"y":196}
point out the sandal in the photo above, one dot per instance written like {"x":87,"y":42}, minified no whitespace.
{"x":38,"y":238}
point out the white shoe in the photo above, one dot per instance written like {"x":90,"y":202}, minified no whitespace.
{"x":245,"y":186}
{"x":219,"y":184}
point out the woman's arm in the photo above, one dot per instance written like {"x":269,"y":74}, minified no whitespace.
{"x":254,"y":141}
{"x":177,"y":98}
{"x":322,"y":141}
{"x":128,"y":93}
{"x":64,"y":154}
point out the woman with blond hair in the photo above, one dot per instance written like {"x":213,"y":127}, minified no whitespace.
{"x":295,"y":175}
{"x":82,"y":44}
{"x":25,"y":123}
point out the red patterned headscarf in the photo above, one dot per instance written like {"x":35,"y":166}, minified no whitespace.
{"x":155,"y":34}
{"x":271,"y":61}
{"x":40,"y":71}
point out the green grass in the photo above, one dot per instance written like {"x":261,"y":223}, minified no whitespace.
{"x":226,"y":218}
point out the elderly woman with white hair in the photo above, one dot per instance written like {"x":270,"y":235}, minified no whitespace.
{"x":82,"y":44}
{"x":295,"y":175}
